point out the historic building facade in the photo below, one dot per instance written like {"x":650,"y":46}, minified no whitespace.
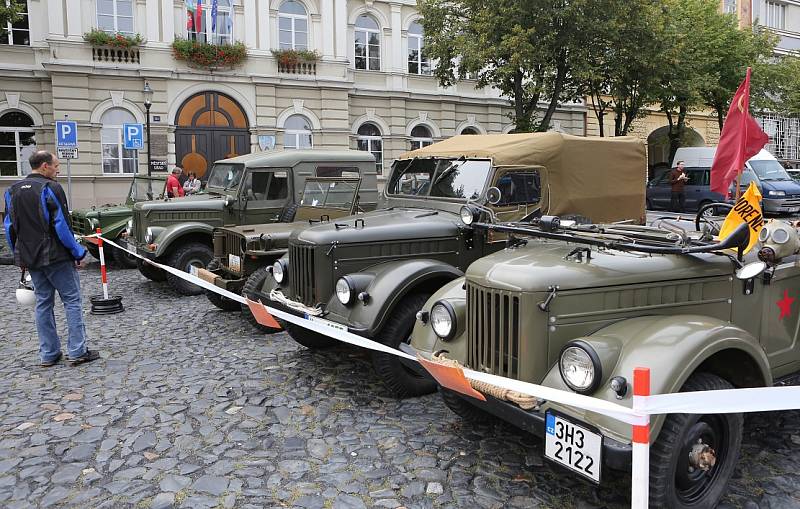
{"x":367,"y":86}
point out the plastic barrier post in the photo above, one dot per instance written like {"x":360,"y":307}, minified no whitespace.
{"x":104,"y":305}
{"x":103,"y":276}
{"x":640,"y":469}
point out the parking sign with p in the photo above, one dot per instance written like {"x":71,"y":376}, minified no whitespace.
{"x":66,"y":134}
{"x":132,"y":136}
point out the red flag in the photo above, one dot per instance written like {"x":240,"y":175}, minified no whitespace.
{"x":741,"y":138}
{"x":199,"y":24}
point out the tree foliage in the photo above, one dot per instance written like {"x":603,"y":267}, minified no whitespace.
{"x":10,"y":12}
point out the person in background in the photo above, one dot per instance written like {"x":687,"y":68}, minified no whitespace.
{"x":677,"y":179}
{"x":192,"y":184}
{"x":39,"y":234}
{"x":174,"y":187}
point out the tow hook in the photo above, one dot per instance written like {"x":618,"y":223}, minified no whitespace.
{"x":702,"y":457}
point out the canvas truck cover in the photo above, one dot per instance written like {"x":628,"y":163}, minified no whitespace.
{"x":603,"y":179}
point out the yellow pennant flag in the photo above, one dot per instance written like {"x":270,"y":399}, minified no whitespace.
{"x":747,"y":210}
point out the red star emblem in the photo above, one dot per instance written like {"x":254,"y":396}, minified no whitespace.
{"x":785,"y":304}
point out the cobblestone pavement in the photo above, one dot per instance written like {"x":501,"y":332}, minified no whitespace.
{"x":189,"y":407}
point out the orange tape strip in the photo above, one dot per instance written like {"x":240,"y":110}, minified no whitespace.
{"x":261,"y":315}
{"x":450,"y":377}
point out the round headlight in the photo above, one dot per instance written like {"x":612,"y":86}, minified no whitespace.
{"x":443,"y":320}
{"x":278,"y":271}
{"x":148,"y":236}
{"x":467,"y":215}
{"x":343,"y":291}
{"x":580,"y":367}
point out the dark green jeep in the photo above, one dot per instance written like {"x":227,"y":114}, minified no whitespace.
{"x":372,"y":273}
{"x":262,"y":187}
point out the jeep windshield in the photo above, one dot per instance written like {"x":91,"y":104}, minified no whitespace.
{"x":225,"y":176}
{"x":140,"y":188}
{"x":339,"y":194}
{"x":769,"y":170}
{"x":441,"y":178}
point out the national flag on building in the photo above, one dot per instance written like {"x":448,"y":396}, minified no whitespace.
{"x":214,"y":16}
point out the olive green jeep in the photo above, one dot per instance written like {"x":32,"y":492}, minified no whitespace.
{"x":242,"y":254}
{"x":113,"y":219}
{"x":372,"y":273}
{"x":258,"y":188}
{"x":578,"y":308}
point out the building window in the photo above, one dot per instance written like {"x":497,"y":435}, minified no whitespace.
{"x":369,"y":140}
{"x":116,"y":158}
{"x":17,"y":143}
{"x":206,"y":27}
{"x":368,"y":43}
{"x":418,"y":63}
{"x":17,"y":33}
{"x":775,"y":15}
{"x":297,"y":133}
{"x":292,"y":26}
{"x":470,"y":130}
{"x":420,"y":137}
{"x":115,"y":16}
{"x":729,"y":6}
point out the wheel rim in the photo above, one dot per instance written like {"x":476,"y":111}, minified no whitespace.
{"x":693,"y":484}
{"x":194,"y":262}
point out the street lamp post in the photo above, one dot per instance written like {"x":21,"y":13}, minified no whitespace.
{"x":148,"y":102}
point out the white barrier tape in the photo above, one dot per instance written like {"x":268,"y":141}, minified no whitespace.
{"x":757,"y":399}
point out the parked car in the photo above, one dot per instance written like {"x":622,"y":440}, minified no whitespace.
{"x":258,"y":188}
{"x":372,"y":273}
{"x":577,"y":309}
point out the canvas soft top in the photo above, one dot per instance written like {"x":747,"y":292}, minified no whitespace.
{"x":601,"y":178}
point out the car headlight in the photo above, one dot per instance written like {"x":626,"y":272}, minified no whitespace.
{"x":149,"y":236}
{"x":443,"y":319}
{"x":580,"y":367}
{"x":343,"y":291}
{"x":469,"y":214}
{"x":279,"y":271}
{"x":130,"y":225}
{"x":777,"y":193}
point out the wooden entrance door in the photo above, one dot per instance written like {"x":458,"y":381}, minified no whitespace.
{"x":209,"y":126}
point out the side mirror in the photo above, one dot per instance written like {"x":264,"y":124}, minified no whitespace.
{"x":229,"y":200}
{"x":751,"y":270}
{"x":493,"y":195}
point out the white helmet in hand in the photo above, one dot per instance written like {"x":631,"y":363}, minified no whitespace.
{"x":25,"y":295}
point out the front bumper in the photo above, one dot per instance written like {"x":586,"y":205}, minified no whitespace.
{"x":220,"y":279}
{"x":616,"y":455}
{"x":781,"y":205}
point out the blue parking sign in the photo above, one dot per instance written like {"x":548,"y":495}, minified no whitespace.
{"x":132,"y":136}
{"x":66,"y":134}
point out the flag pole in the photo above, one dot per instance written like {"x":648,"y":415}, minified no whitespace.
{"x":738,"y":185}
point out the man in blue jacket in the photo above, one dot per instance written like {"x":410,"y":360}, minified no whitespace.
{"x":39,"y":234}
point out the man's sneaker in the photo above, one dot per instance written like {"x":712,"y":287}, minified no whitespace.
{"x":89,"y":356}
{"x":50,"y":363}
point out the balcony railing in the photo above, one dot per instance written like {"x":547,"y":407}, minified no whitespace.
{"x":114,"y":55}
{"x":308,"y":68}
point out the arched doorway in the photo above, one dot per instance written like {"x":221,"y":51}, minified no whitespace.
{"x":209,"y":126}
{"x":658,"y":147}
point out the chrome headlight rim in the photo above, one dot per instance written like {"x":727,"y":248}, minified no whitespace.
{"x":149,"y":236}
{"x":279,"y":271}
{"x":351,"y":293}
{"x":469,"y":214}
{"x":596,"y":366}
{"x":451,"y":313}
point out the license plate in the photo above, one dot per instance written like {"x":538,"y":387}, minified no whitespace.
{"x":326,"y":323}
{"x":792,"y":209}
{"x":234,"y":263}
{"x":573,"y":447}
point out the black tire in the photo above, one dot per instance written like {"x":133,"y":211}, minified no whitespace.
{"x":223,"y":303}
{"x":150,"y":272}
{"x":706,"y":212}
{"x":672,"y":484}
{"x":287,"y":216}
{"x":124,"y":258}
{"x":399,"y":379}
{"x":463,"y":408}
{"x":309,"y":339}
{"x":93,"y":250}
{"x":192,"y":254}
{"x":254,"y":283}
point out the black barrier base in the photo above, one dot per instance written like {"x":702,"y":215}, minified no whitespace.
{"x":109,"y":306}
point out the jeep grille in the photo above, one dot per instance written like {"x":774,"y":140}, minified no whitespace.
{"x":233,"y":244}
{"x":301,"y":268}
{"x":81,"y":225}
{"x":493,"y":325}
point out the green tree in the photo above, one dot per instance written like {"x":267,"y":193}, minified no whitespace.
{"x":10,"y":12}
{"x":524,"y":48}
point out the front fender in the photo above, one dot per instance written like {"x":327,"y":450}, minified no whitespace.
{"x":425,"y":342}
{"x":389,"y":283}
{"x":673,"y":347}
{"x":165,"y":240}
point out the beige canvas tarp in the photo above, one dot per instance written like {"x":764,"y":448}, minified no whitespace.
{"x":603,"y":179}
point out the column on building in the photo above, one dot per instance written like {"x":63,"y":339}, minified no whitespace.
{"x":250,"y":24}
{"x":74,"y":28}
{"x":152,"y":29}
{"x":328,"y":25}
{"x":340,"y":7}
{"x":171,"y":17}
{"x":55,"y":18}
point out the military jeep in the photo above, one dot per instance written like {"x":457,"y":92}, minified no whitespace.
{"x":371,"y":274}
{"x":578,"y":308}
{"x":242,"y":254}
{"x":262,"y":187}
{"x":113,"y":219}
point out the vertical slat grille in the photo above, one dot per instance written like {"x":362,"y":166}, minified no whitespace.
{"x":233,"y":243}
{"x":493,"y":331}
{"x":301,"y":267}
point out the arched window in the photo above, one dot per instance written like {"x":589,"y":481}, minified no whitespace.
{"x":369,"y":140}
{"x":116,"y":158}
{"x":368,"y":43}
{"x":17,"y":143}
{"x":17,"y":33}
{"x":418,"y":63}
{"x":470,"y":130}
{"x":205,"y":28}
{"x":115,"y":16}
{"x":421,"y":137}
{"x":297,"y":133}
{"x":292,"y":26}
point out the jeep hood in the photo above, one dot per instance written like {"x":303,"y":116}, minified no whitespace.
{"x":106,"y":211}
{"x":195,"y":202}
{"x":382,"y":225}
{"x":542,"y":264}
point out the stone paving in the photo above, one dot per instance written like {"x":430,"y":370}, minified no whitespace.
{"x":190,"y":407}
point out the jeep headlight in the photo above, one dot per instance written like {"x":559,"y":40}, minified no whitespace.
{"x":149,"y":236}
{"x":580,"y":367}
{"x":776,"y":193}
{"x":279,"y":271}
{"x":443,"y":320}
{"x":343,"y":291}
{"x":469,"y":214}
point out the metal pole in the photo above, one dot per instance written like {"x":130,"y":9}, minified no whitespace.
{"x":149,"y":162}
{"x":69,"y":173}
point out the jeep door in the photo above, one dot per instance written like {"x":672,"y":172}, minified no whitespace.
{"x":263,"y":195}
{"x":781,"y":318}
